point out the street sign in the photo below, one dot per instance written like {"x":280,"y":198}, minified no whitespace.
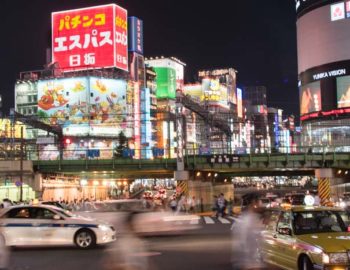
{"x":18,"y":183}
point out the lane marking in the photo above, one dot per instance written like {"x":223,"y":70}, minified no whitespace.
{"x":194,"y":221}
{"x":209,"y":220}
{"x":224,"y":220}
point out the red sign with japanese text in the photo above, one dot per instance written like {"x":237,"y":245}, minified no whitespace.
{"x":121,"y":37}
{"x":85,"y":38}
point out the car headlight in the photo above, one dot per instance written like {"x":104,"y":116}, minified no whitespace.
{"x":342,"y":204}
{"x":104,"y":227}
{"x":335,"y":258}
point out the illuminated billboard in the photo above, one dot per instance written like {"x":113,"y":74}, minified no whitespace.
{"x":9,"y":130}
{"x":226,"y":77}
{"x":337,"y":11}
{"x":214,"y":91}
{"x":173,"y":63}
{"x":85,"y":105}
{"x":94,"y":37}
{"x":239,"y":103}
{"x":108,"y":107}
{"x":310,"y":98}
{"x":166,"y":82}
{"x":323,"y":35}
{"x":137,"y":118}
{"x":343,"y":91}
{"x":135,"y":35}
{"x":194,"y":90}
{"x":64,"y":102}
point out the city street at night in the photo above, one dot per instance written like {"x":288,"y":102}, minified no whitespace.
{"x":175,"y":135}
{"x":207,"y":248}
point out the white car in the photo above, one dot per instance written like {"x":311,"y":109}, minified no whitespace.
{"x":28,"y":225}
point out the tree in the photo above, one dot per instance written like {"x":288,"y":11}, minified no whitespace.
{"x":122,"y":144}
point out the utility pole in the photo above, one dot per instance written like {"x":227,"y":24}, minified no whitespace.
{"x":21,"y":167}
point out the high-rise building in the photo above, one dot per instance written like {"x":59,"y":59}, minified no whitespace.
{"x":257,"y":110}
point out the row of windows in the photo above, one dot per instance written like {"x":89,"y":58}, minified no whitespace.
{"x":32,"y":98}
{"x":28,"y":110}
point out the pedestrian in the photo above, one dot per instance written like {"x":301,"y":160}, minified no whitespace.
{"x":201,"y":205}
{"x":230,"y":206}
{"x":215,"y":207}
{"x":221,"y":205}
{"x":191,"y":203}
{"x":246,"y":231}
{"x":173,"y":204}
{"x":181,"y":206}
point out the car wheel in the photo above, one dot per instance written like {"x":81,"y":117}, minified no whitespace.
{"x":85,"y":239}
{"x":305,"y":263}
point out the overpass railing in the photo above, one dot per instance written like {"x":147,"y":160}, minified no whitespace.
{"x":35,"y":152}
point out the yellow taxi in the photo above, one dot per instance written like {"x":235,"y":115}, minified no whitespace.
{"x":306,"y":237}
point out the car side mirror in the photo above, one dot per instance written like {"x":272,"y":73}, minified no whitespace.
{"x":56,"y":217}
{"x":285,"y":231}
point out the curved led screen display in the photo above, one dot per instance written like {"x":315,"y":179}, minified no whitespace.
{"x":323,"y":35}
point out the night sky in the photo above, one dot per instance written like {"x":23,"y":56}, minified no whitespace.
{"x":256,"y":37}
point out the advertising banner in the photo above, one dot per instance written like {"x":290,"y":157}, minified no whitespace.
{"x":137,"y":118}
{"x":239,"y":103}
{"x":83,"y":38}
{"x":213,"y":91}
{"x":64,"y":102}
{"x":121,"y":37}
{"x":108,"y":107}
{"x":194,"y":91}
{"x":166,"y":82}
{"x":343,"y":92}
{"x":337,"y":11}
{"x":135,"y":35}
{"x":173,"y":63}
{"x":146,"y":126}
{"x":94,"y":37}
{"x":85,"y":106}
{"x":310,"y":98}
{"x":11,"y":131}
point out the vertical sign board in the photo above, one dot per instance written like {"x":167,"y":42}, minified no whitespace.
{"x":94,"y":37}
{"x":239,"y":103}
{"x":135,"y":35}
{"x":137,"y":118}
{"x":121,"y":37}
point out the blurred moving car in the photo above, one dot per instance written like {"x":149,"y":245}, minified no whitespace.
{"x":54,"y":203}
{"x":307,"y":237}
{"x":29,"y":225}
{"x":146,"y":221}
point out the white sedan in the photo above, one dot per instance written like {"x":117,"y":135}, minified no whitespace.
{"x":28,"y":225}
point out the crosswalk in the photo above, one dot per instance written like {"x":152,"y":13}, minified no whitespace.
{"x":213,"y":220}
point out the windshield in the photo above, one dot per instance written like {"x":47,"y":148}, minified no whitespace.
{"x":319,"y":222}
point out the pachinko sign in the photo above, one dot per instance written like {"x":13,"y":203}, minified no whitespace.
{"x":93,"y":37}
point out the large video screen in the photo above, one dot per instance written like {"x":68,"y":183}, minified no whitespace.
{"x":310,"y":98}
{"x":323,"y":36}
{"x":343,"y":91}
